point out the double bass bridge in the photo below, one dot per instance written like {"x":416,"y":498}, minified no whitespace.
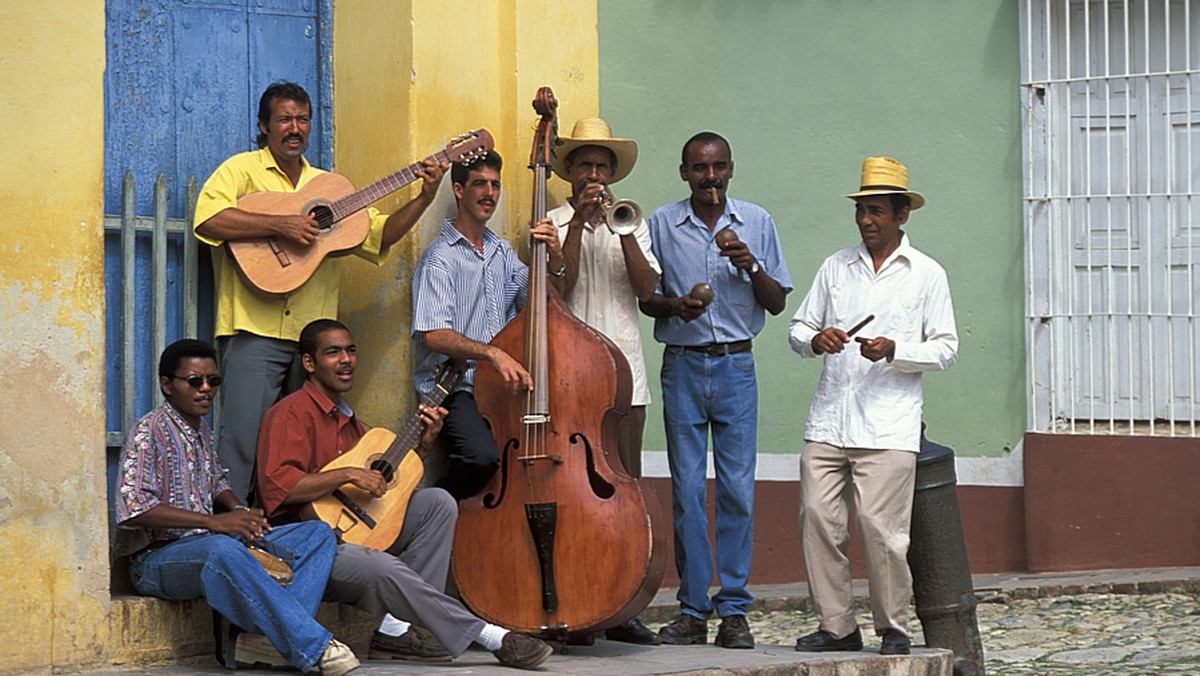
{"x":536,"y":419}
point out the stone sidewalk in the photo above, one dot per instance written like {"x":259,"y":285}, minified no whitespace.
{"x":1095,"y":623}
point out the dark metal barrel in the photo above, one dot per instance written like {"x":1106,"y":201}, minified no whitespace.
{"x":937,"y":555}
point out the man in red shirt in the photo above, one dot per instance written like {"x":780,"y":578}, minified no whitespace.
{"x":303,"y":433}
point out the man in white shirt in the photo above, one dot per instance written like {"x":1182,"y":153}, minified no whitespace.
{"x":864,"y":424}
{"x":609,"y":268}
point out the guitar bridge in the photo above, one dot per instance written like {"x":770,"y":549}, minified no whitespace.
{"x":355,"y":509}
{"x":280,"y":254}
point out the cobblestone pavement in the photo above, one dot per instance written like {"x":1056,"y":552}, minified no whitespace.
{"x":1089,"y":634}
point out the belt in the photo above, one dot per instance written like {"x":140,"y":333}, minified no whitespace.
{"x":719,"y":349}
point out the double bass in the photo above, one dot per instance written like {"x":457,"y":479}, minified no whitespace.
{"x":560,"y":539}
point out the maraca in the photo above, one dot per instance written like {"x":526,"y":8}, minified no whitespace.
{"x":702,"y":292}
{"x":724,"y":236}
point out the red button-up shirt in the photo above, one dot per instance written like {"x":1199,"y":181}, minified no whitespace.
{"x":300,"y":435}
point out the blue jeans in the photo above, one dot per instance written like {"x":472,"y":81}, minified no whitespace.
{"x":231,"y":580}
{"x":718,"y":393}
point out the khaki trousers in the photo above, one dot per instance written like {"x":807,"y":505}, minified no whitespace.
{"x":881,"y":484}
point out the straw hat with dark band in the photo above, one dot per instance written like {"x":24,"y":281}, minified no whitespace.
{"x":593,"y":131}
{"x":885,"y":176}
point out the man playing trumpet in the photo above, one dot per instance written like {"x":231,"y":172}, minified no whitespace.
{"x":609,"y":268}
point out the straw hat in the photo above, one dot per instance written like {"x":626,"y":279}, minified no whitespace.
{"x":885,"y":176}
{"x":593,"y":131}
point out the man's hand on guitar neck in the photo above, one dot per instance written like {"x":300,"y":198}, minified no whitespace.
{"x":433,"y":418}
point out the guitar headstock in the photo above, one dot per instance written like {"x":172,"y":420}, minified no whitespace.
{"x":448,"y":375}
{"x":469,"y":146}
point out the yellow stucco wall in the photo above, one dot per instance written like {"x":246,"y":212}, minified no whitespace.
{"x":405,"y":82}
{"x":54,"y":572}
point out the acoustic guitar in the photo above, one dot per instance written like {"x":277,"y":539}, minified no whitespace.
{"x":279,"y":266}
{"x":354,"y":514}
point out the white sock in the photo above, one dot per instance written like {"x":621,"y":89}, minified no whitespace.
{"x":492,"y":637}
{"x":393,"y":627}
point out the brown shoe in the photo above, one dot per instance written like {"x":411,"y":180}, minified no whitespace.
{"x":685,"y":630}
{"x":416,"y":645}
{"x":522,"y":651}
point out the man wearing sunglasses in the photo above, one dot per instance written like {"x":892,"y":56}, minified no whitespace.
{"x":185,"y":531}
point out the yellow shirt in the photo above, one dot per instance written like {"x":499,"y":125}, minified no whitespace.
{"x":239,"y":306}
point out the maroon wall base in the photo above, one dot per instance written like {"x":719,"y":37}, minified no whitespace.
{"x":993,"y":521}
{"x":1089,"y":503}
{"x":1111,"y":502}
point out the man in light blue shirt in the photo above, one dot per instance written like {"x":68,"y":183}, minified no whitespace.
{"x":708,"y":379}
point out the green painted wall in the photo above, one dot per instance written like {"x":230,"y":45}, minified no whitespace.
{"x":804,"y":90}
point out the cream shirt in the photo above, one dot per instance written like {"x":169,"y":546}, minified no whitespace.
{"x":603,"y":298}
{"x":864,"y":404}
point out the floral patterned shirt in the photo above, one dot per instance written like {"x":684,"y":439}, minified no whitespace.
{"x":165,"y":461}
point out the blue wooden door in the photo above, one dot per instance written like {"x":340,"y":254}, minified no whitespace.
{"x":181,"y":93}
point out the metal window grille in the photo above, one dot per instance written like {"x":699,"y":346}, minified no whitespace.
{"x":1111,"y":109}
{"x":137,"y":236}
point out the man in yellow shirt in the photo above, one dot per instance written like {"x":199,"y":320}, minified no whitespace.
{"x":258,"y":333}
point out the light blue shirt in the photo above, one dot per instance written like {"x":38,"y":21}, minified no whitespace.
{"x":688,"y":254}
{"x":471,"y":293}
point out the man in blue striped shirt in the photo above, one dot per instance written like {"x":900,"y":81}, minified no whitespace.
{"x":466,"y":287}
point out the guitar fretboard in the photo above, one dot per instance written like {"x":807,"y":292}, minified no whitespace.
{"x":381,"y":188}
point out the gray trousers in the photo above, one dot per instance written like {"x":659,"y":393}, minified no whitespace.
{"x":408,"y":580}
{"x":258,"y":372}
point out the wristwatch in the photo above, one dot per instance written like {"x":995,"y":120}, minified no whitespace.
{"x":755,"y":267}
{"x":561,"y":272}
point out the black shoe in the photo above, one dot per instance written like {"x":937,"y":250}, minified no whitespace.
{"x":734,"y":632}
{"x":895,"y":643}
{"x":580,"y":638}
{"x":685,"y":630}
{"x":821,"y":641}
{"x":633,"y":631}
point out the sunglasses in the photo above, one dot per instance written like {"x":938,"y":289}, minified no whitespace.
{"x":196,"y":380}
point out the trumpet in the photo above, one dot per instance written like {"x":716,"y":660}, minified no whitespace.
{"x":621,"y":216}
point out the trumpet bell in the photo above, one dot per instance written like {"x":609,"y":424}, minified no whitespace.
{"x":623,"y":216}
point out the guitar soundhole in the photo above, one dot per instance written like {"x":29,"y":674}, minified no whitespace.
{"x":324,"y":216}
{"x":379,"y":464}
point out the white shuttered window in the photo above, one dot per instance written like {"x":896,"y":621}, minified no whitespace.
{"x":1111,"y":132}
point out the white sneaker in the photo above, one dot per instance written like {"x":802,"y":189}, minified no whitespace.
{"x":337,"y":659}
{"x":255,"y":651}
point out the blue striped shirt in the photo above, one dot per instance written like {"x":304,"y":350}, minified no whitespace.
{"x":684,"y":247}
{"x":471,"y":293}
